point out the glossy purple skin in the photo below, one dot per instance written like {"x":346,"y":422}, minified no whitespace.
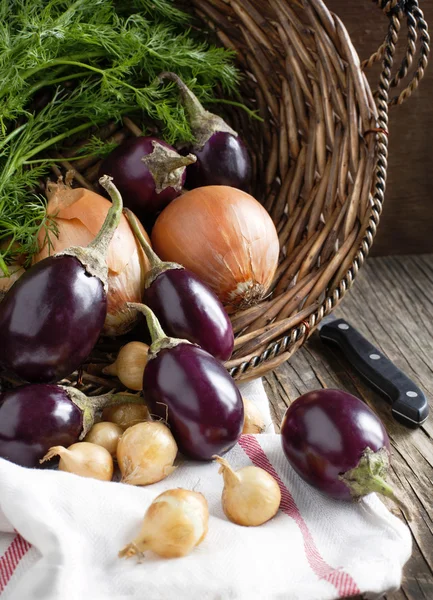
{"x":201,"y":401}
{"x":223,"y":160}
{"x":134,"y":180}
{"x":188,"y":310}
{"x":32,"y":419}
{"x":324,"y":434}
{"x":51,"y":319}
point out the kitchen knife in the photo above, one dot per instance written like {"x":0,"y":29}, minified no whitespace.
{"x":408,"y":402}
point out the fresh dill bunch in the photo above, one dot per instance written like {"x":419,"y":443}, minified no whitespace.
{"x":40,"y":47}
{"x":156,"y":8}
{"x":95,"y":147}
{"x":92,"y":61}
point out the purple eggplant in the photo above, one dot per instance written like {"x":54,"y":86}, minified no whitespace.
{"x":35,"y":417}
{"x":148,"y":172}
{"x":52,"y":316}
{"x":222,"y":157}
{"x":337,"y":444}
{"x":185,"y":307}
{"x":192,"y":391}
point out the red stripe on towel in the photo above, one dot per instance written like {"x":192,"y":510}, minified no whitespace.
{"x":10,"y":559}
{"x":343,"y":582}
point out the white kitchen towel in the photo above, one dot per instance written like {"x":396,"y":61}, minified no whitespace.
{"x":254,"y":391}
{"x":61,"y":535}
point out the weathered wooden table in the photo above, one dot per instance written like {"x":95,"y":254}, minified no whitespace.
{"x":392,"y":305}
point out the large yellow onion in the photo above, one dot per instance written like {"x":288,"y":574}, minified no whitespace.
{"x":79,"y":214}
{"x":224,"y":236}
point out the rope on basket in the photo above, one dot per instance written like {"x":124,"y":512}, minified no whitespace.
{"x":396,"y":10}
{"x":393,"y":6}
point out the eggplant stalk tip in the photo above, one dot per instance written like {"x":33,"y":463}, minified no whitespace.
{"x":156,"y":331}
{"x":368,"y":476}
{"x":203,"y":122}
{"x":157,"y":266}
{"x":105,"y":234}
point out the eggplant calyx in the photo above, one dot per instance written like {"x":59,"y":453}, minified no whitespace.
{"x":90,"y":405}
{"x":157,"y":271}
{"x":166,"y":343}
{"x":94,"y":263}
{"x":203,"y":123}
{"x":94,"y":257}
{"x":167,"y":167}
{"x":160,"y":341}
{"x":368,"y":476}
{"x":157,"y":265}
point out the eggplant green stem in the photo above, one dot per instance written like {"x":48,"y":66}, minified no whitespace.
{"x":190,"y":100}
{"x":151,"y":255}
{"x":90,"y":405}
{"x":156,"y":331}
{"x":368,"y":476}
{"x":157,"y":266}
{"x":160,"y":341}
{"x":203,"y":123}
{"x":112,"y":220}
{"x":380,"y":486}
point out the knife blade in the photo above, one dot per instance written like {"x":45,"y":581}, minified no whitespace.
{"x":408,"y":402}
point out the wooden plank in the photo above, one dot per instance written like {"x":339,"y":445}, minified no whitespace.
{"x":392,"y":305}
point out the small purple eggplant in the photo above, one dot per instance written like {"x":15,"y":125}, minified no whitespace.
{"x":337,"y":444}
{"x":148,"y":172}
{"x":35,"y":417}
{"x":193,"y":392}
{"x":222,"y":157}
{"x":51,"y":318}
{"x":185,"y":307}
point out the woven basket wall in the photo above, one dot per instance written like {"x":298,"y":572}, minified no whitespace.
{"x":320,"y":156}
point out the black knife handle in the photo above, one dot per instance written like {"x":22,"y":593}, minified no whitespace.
{"x":409,"y":404}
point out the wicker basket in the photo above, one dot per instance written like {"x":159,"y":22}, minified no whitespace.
{"x":320,"y":156}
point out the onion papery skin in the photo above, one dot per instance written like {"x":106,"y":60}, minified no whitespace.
{"x":225,"y":237}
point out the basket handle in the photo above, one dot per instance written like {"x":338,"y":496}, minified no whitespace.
{"x":396,"y":10}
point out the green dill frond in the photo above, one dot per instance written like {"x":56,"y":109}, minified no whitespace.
{"x":90,"y":62}
{"x":95,"y":147}
{"x":158,"y":9}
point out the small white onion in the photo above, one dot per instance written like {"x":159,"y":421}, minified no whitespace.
{"x":129,"y":365}
{"x":253,"y":420}
{"x":84,"y":459}
{"x":105,"y":434}
{"x":250,"y":496}
{"x":146,"y":453}
{"x":126,"y":415}
{"x":174,"y":524}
